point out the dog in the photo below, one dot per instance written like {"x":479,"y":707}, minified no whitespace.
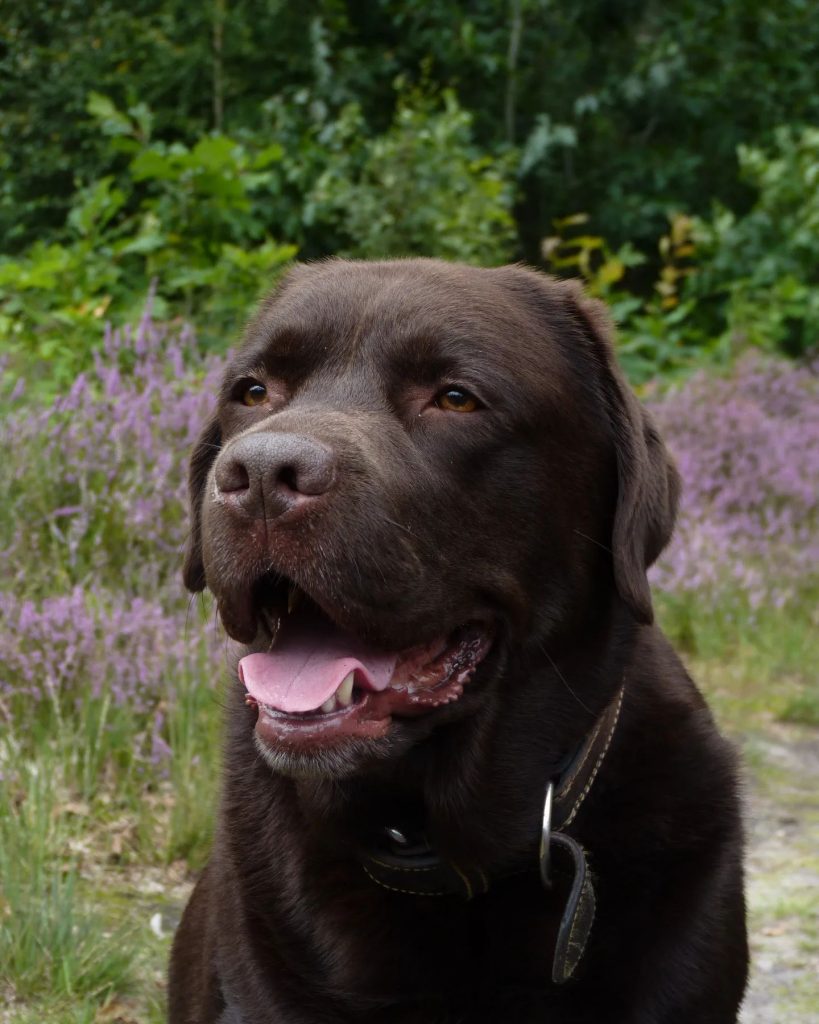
{"x":466,"y":778}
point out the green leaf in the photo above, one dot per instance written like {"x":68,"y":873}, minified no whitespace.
{"x":111,"y":120}
{"x":151,"y":164}
{"x":271,"y":154}
{"x":217,"y":153}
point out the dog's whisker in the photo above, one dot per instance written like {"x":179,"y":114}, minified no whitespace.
{"x":400,"y":526}
{"x":564,"y":680}
{"x":592,"y":540}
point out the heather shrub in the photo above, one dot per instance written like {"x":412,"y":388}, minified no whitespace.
{"x":96,"y":630}
{"x":90,"y":644}
{"x":747,"y":446}
{"x":94,"y":485}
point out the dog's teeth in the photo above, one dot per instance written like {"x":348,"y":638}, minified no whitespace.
{"x":344,"y":694}
{"x":329,"y":705}
{"x":294,"y":596}
{"x":273,"y":622}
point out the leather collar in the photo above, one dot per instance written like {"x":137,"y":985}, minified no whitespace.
{"x":409,"y":865}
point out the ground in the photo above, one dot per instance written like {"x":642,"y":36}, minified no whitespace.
{"x":783,"y":875}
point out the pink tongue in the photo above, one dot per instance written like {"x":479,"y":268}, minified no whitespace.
{"x":309,"y":662}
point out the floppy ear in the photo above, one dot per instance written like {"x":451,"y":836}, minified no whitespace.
{"x":648,"y":484}
{"x":202,"y":457}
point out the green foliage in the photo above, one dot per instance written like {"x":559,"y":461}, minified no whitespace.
{"x":200,"y":225}
{"x":49,"y":300}
{"x":197,"y":67}
{"x":192,"y":220}
{"x":624,"y":110}
{"x":722,"y":284}
{"x":159,"y":141}
{"x":656,"y":334}
{"x":421,"y":188}
{"x":760,"y":271}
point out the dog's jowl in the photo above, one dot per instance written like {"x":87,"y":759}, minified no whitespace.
{"x":466,"y":779}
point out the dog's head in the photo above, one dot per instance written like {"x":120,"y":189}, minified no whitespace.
{"x":413,"y":466}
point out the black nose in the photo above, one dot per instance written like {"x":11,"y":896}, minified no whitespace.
{"x":267,"y":474}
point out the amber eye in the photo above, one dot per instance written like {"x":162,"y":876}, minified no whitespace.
{"x":254,"y":394}
{"x":456,"y":400}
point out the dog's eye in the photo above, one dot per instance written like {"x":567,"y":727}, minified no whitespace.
{"x":254,"y":394}
{"x":457,"y":400}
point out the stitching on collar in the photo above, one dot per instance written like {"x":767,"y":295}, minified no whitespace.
{"x":392,"y":888}
{"x":600,"y":759}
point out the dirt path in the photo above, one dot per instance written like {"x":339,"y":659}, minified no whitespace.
{"x":783,"y":876}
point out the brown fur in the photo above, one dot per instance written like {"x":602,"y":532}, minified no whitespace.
{"x":543,"y":510}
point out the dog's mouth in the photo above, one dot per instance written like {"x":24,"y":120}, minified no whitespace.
{"x":318,"y":683}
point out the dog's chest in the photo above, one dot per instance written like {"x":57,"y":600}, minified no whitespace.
{"x":388,"y":945}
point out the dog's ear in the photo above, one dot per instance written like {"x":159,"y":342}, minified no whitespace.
{"x":648,"y":484}
{"x":205,"y":451}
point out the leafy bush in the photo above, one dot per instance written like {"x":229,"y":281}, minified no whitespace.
{"x":193,"y":220}
{"x":625,"y":110}
{"x":760,"y":269}
{"x":658,"y":335}
{"x":422,"y":188}
{"x":723,"y":285}
{"x":196,"y":220}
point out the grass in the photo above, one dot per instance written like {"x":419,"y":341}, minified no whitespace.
{"x":754,"y":665}
{"x":802,"y":707}
{"x":96,"y":844}
{"x":56,"y":944}
{"x":90,"y":837}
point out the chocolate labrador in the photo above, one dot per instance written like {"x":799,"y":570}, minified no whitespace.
{"x":466,"y":779}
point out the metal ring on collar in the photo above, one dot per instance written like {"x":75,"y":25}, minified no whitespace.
{"x":546,"y":836}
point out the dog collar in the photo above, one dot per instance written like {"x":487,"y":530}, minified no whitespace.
{"x":409,"y":865}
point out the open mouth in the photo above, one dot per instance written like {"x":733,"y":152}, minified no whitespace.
{"x":318,"y":683}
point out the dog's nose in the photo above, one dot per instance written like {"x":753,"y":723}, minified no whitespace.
{"x":267,"y":474}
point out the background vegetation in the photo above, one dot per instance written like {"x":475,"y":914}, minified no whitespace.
{"x":160,"y":164}
{"x":666,"y":152}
